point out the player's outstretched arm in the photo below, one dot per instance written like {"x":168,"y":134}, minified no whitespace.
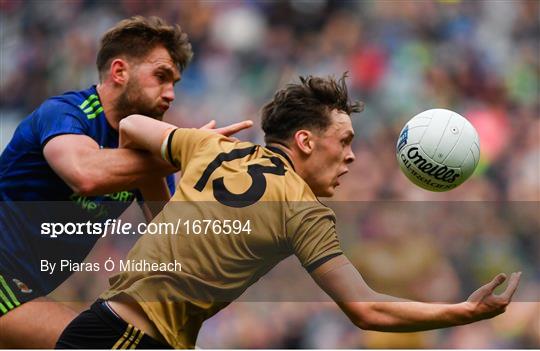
{"x":144,"y":133}
{"x":370,"y":310}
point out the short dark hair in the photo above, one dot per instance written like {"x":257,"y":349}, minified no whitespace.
{"x":135,"y":37}
{"x":306,"y":106}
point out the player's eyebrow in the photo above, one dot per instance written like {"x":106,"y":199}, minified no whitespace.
{"x":349,"y":135}
{"x":169,"y":72}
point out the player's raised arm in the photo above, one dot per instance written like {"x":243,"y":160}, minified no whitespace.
{"x":370,"y":310}
{"x":144,"y":133}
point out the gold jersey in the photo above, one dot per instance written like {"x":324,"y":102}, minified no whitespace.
{"x":264,"y":212}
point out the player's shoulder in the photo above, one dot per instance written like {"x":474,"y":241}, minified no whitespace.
{"x":84,"y":103}
{"x":298,"y":189}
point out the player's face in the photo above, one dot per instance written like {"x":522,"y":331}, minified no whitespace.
{"x":332,"y":152}
{"x":150,"y":87}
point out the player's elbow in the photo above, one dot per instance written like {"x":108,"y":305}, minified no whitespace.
{"x":82,"y":184}
{"x":129,"y":123}
{"x":84,"y":189}
{"x":362,"y":316}
{"x":124,"y":123}
{"x":127,"y":127}
{"x":364,"y":324}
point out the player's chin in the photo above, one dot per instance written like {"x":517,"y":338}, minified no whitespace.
{"x":158,"y":115}
{"x":328,"y":192}
{"x":155,"y":113}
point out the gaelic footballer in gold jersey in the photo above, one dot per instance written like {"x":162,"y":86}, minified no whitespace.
{"x":308,"y":132}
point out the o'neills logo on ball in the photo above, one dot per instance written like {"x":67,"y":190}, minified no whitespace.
{"x":438,"y":172}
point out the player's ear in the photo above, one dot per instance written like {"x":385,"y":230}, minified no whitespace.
{"x":119,"y":71}
{"x":304,"y":141}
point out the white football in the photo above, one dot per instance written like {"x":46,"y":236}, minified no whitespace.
{"x":438,"y":149}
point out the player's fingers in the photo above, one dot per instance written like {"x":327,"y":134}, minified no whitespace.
{"x":513,"y":283}
{"x":235,"y":128}
{"x":498,"y":280}
{"x":209,"y":125}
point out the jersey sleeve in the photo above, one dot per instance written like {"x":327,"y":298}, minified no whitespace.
{"x":312,"y":235}
{"x":57,"y":118}
{"x":183,"y":143}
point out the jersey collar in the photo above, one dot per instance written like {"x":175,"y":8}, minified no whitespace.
{"x":279,"y":151}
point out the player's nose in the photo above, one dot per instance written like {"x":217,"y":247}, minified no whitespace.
{"x":168,"y":93}
{"x":350,"y":157}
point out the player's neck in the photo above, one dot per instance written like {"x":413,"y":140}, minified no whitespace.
{"x":107,"y":96}
{"x":298,"y":161}
{"x":285,"y":151}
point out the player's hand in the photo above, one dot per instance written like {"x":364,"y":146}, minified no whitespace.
{"x":228,"y":130}
{"x":485,"y":304}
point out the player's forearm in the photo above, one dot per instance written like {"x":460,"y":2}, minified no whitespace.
{"x":111,"y":170}
{"x":373,"y":311}
{"x":410,"y":316}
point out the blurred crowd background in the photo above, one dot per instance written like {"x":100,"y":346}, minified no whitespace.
{"x":478,"y":58}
